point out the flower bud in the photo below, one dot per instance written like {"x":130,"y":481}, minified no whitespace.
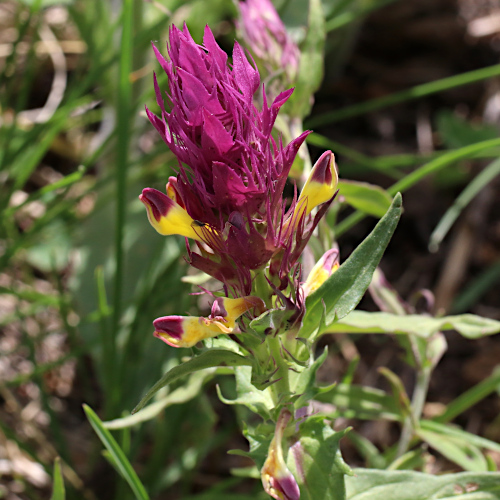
{"x":277,"y":479}
{"x":321,"y":183}
{"x":266,"y":35}
{"x":323,"y":269}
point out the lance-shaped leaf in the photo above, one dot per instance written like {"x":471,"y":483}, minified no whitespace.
{"x":368,"y":198}
{"x":409,"y":485}
{"x":343,"y":290}
{"x":213,"y":357}
{"x":468,"y":325}
{"x":316,"y":463}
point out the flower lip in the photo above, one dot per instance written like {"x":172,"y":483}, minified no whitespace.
{"x":321,"y":184}
{"x":169,"y":325}
{"x":322,"y":172}
{"x":287,"y":486}
{"x":157,"y":201}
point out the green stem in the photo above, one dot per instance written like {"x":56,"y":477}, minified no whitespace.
{"x":417,"y":405}
{"x":282,"y":386}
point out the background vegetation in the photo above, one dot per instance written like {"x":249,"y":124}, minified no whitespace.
{"x":410,"y":102}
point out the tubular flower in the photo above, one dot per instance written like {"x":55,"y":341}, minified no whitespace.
{"x":186,"y":331}
{"x":323,"y":269}
{"x":228,"y":193}
{"x":266,"y":35}
{"x":321,"y":183}
{"x":167,"y":216}
{"x":277,"y":479}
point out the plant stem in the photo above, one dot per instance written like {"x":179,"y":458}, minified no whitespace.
{"x":282,"y":386}
{"x":417,"y":405}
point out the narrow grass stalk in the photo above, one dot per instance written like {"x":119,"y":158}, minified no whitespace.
{"x":123,"y":111}
{"x":420,"y":173}
{"x":471,"y":397}
{"x":348,"y":17}
{"x":405,"y":95}
{"x":351,"y":154}
{"x":465,"y":197}
{"x":476,"y":288}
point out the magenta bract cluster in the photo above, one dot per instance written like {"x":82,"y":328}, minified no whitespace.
{"x":232,"y":172}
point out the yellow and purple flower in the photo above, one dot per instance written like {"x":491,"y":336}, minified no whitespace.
{"x":228,"y":195}
{"x":323,"y":269}
{"x":186,"y":331}
{"x":277,"y":479}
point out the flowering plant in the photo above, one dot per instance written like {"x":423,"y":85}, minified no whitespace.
{"x":228,"y":201}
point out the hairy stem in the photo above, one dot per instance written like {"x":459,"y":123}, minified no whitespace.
{"x":282,"y":385}
{"x":417,"y":405}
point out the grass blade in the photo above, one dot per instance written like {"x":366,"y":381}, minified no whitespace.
{"x":471,"y":397}
{"x":58,"y":491}
{"x":465,"y":197}
{"x":348,"y":17}
{"x":405,"y":95}
{"x":123,"y":127}
{"x":420,"y":173}
{"x":118,"y":457}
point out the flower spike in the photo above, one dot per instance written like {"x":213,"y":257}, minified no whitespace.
{"x":167,"y":216}
{"x":277,"y":479}
{"x":323,"y":269}
{"x":321,"y":184}
{"x":186,"y":331}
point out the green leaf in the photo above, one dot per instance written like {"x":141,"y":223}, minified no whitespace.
{"x":368,"y":198}
{"x":468,"y":325}
{"x":484,"y":178}
{"x":457,"y":132}
{"x":117,"y":456}
{"x":464,"y":454}
{"x":305,"y":382}
{"x":58,"y":492}
{"x":257,"y":401}
{"x":398,"y":390}
{"x":207,"y":359}
{"x":180,"y":395}
{"x":402,"y":485}
{"x":367,"y":403}
{"x":259,"y":439}
{"x":455,"y":432}
{"x":316,"y":461}
{"x":343,"y":290}
{"x":270,"y":320}
{"x":367,"y":450}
